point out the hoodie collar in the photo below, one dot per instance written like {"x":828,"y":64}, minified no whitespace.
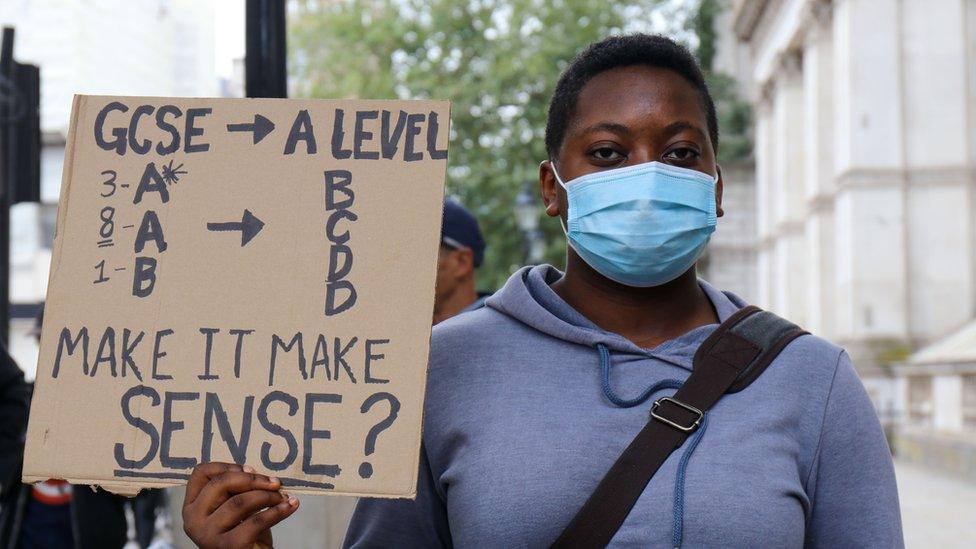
{"x":528,"y":297}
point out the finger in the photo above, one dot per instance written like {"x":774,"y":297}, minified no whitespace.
{"x":247,"y":532}
{"x":241,"y":506}
{"x":223,"y":486}
{"x":202,"y":474}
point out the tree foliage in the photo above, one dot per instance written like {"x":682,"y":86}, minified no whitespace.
{"x":734,"y":114}
{"x":496,"y":60}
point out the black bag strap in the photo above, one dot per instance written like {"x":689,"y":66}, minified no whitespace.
{"x":731,"y":358}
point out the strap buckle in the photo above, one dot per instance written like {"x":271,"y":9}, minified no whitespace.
{"x":684,"y":428}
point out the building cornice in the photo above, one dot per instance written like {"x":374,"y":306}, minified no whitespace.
{"x":746,"y":15}
{"x":747,"y":248}
{"x":823,"y":202}
{"x":790,"y":227}
{"x":860,"y":178}
{"x":935,"y":368}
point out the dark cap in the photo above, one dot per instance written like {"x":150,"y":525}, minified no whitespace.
{"x":459,"y":229}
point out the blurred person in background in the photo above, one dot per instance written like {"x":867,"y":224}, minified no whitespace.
{"x":53,"y":513}
{"x":14,"y":405}
{"x":461,"y":253}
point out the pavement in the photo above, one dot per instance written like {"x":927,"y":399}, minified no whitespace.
{"x":936,"y":510}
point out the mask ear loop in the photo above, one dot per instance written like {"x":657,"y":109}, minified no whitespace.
{"x":552,"y":164}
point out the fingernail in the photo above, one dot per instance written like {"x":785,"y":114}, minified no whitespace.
{"x":273,"y":480}
{"x":248,"y":469}
{"x":293,"y":501}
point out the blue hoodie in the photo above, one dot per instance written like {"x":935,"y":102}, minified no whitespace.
{"x":518,"y":432}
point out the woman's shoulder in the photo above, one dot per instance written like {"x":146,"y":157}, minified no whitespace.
{"x":810,"y":376}
{"x":471,"y":333}
{"x":806,"y":370}
{"x":811,"y":351}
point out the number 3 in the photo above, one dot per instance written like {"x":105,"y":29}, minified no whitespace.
{"x":110,"y":183}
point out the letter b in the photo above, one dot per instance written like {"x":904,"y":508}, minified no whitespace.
{"x":338,"y":181}
{"x":144,"y":278}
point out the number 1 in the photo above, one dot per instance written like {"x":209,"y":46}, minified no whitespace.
{"x":100,"y":267}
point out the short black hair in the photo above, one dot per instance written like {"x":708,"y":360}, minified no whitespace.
{"x":622,"y":51}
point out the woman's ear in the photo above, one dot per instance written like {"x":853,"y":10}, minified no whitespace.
{"x":719,"y":212}
{"x":549,"y":188}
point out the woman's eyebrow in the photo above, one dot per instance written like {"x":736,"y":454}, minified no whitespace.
{"x":680,"y":126}
{"x":612,"y":127}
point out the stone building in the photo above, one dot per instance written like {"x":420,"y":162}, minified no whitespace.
{"x":865,"y":132}
{"x":936,"y":389}
{"x":865,"y":153}
{"x":730,"y":260}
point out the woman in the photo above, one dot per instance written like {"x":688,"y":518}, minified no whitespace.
{"x":519,"y":426}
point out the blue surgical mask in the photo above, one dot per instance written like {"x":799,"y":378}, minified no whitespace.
{"x":640,"y":225}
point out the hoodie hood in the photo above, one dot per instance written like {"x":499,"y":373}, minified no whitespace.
{"x":528,"y":297}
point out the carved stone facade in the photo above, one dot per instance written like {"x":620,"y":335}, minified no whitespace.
{"x":865,"y":131}
{"x":865,"y":147}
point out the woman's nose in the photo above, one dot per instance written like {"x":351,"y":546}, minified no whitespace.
{"x":640,"y":155}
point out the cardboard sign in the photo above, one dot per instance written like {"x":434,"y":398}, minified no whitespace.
{"x":243,"y":280}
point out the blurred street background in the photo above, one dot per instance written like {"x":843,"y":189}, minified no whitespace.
{"x":848,"y":154}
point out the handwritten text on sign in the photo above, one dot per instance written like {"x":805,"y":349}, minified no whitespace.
{"x":241,"y":280}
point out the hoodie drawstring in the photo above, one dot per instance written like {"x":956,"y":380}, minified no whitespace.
{"x":623,"y":402}
{"x":677,"y":529}
{"x":679,"y":482}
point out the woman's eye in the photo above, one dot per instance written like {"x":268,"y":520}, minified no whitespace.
{"x":682,"y":154}
{"x":606,"y":154}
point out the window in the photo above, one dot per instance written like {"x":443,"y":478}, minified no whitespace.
{"x":969,"y":401}
{"x":920,"y":399}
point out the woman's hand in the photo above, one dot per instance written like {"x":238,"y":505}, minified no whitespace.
{"x":229,"y":506}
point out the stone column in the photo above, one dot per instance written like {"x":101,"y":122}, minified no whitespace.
{"x":789,"y":264}
{"x":969,"y":61}
{"x":764,"y":198}
{"x":938,"y":168}
{"x":947,"y":400}
{"x":819,"y":168}
{"x":870,"y":259}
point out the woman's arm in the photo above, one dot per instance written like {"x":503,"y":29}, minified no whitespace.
{"x":851,"y":486}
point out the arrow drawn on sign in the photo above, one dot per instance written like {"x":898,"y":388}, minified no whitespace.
{"x":261,"y":127}
{"x":249,"y":225}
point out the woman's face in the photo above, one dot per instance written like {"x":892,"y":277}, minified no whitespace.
{"x":628,"y":116}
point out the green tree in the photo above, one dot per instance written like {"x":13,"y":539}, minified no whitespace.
{"x":734,"y":113}
{"x":496,"y":60}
